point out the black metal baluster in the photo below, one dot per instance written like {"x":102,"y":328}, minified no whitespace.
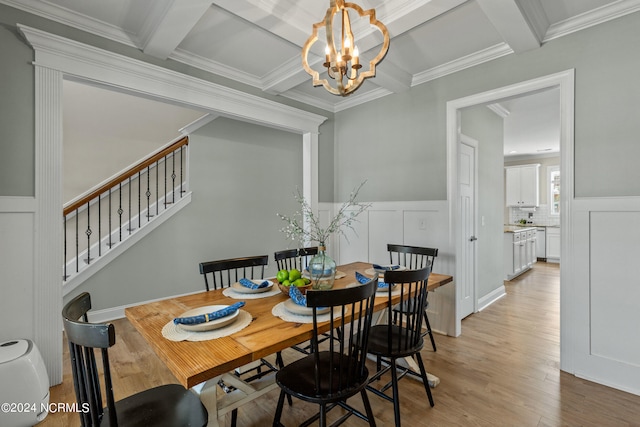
{"x":120,"y":212}
{"x":139,"y":201}
{"x":181,"y":170}
{"x":64,"y":226}
{"x":99,"y":225}
{"x":77,"y":244}
{"x":130,"y":222}
{"x":173,"y":176}
{"x":110,"y":229}
{"x":148,"y":194}
{"x":157,"y":187}
{"x":88,"y":233}
{"x":165,"y":182}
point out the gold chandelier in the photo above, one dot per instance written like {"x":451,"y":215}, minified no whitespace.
{"x":343,"y":65}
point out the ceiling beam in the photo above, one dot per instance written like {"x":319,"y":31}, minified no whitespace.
{"x":177,"y":21}
{"x":513,"y":25}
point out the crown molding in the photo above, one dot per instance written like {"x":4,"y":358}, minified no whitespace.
{"x":476,"y":58}
{"x":591,"y":18}
{"x":217,"y":68}
{"x":361,"y":98}
{"x":75,"y":20}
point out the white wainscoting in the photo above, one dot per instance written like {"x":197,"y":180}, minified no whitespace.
{"x":605,"y":296}
{"x":417,"y":223}
{"x":17,"y":228}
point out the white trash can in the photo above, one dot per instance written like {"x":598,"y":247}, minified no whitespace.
{"x":24,"y":384}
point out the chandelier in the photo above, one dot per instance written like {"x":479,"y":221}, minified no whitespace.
{"x":342,"y":63}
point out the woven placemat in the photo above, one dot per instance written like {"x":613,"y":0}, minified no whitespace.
{"x":174,"y":332}
{"x":379,"y":294}
{"x":229,"y":292}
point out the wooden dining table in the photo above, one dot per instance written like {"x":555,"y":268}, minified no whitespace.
{"x":195,"y":362}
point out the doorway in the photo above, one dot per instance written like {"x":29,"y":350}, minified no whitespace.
{"x":565,"y":82}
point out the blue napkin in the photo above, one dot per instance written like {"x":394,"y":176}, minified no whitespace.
{"x":203,"y":318}
{"x":296,"y":296}
{"x":385,"y":267}
{"x":364,"y":279}
{"x":252,"y":285}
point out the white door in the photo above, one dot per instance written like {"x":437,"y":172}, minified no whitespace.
{"x":467,"y":171}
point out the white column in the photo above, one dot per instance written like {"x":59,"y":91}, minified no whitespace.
{"x":47,"y":302}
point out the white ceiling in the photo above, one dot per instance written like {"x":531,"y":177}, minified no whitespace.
{"x":258,"y":42}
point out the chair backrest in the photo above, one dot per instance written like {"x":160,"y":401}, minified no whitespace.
{"x":294,"y":258}
{"x":83,"y":338}
{"x":223,"y":273}
{"x":341,"y":360}
{"x":412,"y":257}
{"x":405,"y":332}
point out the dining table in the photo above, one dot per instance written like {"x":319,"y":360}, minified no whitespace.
{"x":195,"y":362}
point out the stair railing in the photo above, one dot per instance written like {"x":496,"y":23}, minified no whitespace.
{"x":111,"y":213}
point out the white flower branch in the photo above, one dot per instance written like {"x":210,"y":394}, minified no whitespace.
{"x":344,"y":218}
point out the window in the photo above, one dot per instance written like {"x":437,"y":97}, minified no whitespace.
{"x":553,"y":174}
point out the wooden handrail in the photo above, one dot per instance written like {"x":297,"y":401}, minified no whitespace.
{"x":125,"y":175}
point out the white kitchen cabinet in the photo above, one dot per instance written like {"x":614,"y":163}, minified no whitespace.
{"x":553,"y":244}
{"x":519,"y":251}
{"x":522,"y":185}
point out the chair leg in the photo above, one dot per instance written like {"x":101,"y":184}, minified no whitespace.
{"x":396,"y":392}
{"x":428,"y":325}
{"x":234,"y":417}
{"x":276,"y":418}
{"x":280,"y":365}
{"x":322,"y":422}
{"x":367,"y":408}
{"x":425,"y":380}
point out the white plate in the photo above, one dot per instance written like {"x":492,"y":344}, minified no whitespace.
{"x":244,"y":290}
{"x":294,"y":308}
{"x":213,"y":324}
{"x":371,"y":271}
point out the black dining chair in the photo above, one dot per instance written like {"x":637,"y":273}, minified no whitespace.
{"x":391,"y":341}
{"x":223,"y":273}
{"x":335,"y":370}
{"x":298,"y":258}
{"x":294,"y":258}
{"x":414,"y":257}
{"x":169,"y":405}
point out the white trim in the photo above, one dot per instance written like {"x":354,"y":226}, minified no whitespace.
{"x":565,"y":80}
{"x":491,"y":297}
{"x":91,"y":63}
{"x":114,"y":313}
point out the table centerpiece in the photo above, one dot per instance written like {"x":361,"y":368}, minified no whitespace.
{"x":304,"y":226}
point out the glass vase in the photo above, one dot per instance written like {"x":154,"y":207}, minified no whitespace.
{"x":322,"y":269}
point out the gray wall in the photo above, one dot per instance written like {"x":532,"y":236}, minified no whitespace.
{"x":17,"y":161}
{"x":486,"y":127}
{"x":406,"y":131}
{"x":242,"y":175}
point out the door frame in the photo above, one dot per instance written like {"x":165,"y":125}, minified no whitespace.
{"x":563,"y":80}
{"x":464,"y":139}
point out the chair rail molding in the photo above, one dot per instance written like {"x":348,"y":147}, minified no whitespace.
{"x":58,"y":58}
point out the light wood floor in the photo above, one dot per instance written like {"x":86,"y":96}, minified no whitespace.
{"x":502,"y":371}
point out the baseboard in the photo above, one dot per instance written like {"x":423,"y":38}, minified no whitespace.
{"x":114,"y":313}
{"x":491,"y":297}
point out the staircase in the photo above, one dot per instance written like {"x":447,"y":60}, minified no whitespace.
{"x":102,"y":224}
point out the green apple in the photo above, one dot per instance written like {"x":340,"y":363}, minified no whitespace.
{"x":282,"y":275}
{"x":294,"y":274}
{"x":299,"y":282}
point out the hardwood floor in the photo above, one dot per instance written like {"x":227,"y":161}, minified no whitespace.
{"x":502,"y":371}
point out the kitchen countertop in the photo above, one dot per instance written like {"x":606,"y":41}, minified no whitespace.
{"x":516,"y":228}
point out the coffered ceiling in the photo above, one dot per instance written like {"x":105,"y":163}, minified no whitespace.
{"x":258,"y":42}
